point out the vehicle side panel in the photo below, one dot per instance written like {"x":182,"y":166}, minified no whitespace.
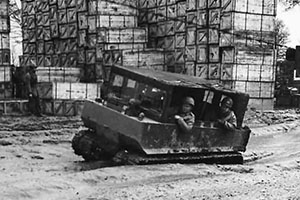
{"x":121,"y":131}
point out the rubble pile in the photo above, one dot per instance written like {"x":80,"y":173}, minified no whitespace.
{"x":265,"y":118}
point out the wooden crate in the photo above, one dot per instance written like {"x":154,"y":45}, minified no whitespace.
{"x":60,"y":90}
{"x":4,"y":41}
{"x":49,"y":74}
{"x":13,"y":106}
{"x":255,"y":89}
{"x":253,"y":72}
{"x":111,"y":8}
{"x":116,"y":21}
{"x":4,"y":24}
{"x":261,"y":104}
{"x":145,"y":58}
{"x":61,"y":107}
{"x":258,"y":56}
{"x":124,"y":46}
{"x":6,"y":90}
{"x":266,"y":7}
{"x":122,"y":35}
{"x":4,"y":57}
{"x":4,"y":7}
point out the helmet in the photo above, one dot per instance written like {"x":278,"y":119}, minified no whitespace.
{"x":227,"y":101}
{"x":189,"y":100}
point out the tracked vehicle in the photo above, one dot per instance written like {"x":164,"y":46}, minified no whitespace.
{"x":150,"y":134}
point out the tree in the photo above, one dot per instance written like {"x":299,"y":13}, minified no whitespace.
{"x":290,"y":3}
{"x":282,"y":35}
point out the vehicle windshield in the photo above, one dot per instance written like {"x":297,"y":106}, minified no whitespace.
{"x":122,"y":89}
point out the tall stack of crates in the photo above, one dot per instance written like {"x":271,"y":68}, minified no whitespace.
{"x":5,"y":74}
{"x":232,"y":41}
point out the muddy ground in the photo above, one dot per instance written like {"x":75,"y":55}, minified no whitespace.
{"x":37,"y":162}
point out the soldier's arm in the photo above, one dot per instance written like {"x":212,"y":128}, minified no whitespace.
{"x":231,"y":123}
{"x":186,"y":124}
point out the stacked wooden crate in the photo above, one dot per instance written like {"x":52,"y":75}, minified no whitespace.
{"x":5,"y":74}
{"x":71,"y":40}
{"x":120,"y":40}
{"x":50,"y":39}
{"x":232,"y":41}
{"x":53,"y":41}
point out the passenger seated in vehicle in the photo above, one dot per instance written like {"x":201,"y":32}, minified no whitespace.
{"x":134,"y":108}
{"x":185,"y":118}
{"x":224,"y":115}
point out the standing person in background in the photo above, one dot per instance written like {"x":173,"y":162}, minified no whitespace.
{"x":31,"y":81}
{"x":17,"y":78}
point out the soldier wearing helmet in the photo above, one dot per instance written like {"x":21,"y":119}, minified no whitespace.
{"x":185,"y":118}
{"x":226,"y":116}
{"x":31,"y":81}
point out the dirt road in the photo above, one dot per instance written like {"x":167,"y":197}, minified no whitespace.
{"x":37,"y":162}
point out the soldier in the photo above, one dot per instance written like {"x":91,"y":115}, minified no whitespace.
{"x":185,"y":118}
{"x":226,"y":117}
{"x":30,"y":80}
